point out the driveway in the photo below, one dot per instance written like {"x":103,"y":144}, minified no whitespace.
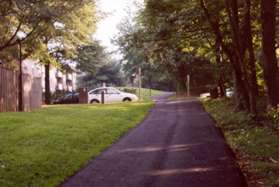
{"x":176,"y":145}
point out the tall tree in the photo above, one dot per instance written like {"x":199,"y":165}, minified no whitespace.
{"x":268,"y":8}
{"x":97,"y":66}
{"x":63,"y":37}
{"x":91,"y":57}
{"x":47,"y":29}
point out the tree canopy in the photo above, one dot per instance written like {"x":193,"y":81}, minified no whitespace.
{"x":45,"y":26}
{"x":97,"y":66}
{"x":239,"y":43}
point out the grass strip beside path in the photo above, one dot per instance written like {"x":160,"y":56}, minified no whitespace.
{"x":146,"y":94}
{"x":43,"y":148}
{"x":257,"y":147}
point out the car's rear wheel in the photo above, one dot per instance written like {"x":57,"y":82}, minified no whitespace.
{"x":127,"y":99}
{"x":94,"y":101}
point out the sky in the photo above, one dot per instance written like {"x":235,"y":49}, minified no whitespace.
{"x":116,"y":10}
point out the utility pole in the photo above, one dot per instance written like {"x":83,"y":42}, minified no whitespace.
{"x":139,"y":74}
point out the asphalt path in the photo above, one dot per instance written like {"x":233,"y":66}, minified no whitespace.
{"x":177,"y":145}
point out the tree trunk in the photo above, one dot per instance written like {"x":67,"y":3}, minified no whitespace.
{"x":241,"y":90}
{"x":248,"y":43}
{"x":219,"y":63}
{"x":242,"y":41}
{"x":182,"y":73}
{"x":222,"y":87}
{"x":47,"y":85}
{"x":252,"y":66}
{"x":268,"y":8}
{"x":240,"y":94}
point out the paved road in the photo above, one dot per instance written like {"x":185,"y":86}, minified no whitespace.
{"x":177,"y":145}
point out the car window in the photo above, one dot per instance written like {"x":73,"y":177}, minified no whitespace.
{"x":99,"y":91}
{"x":68,"y":96}
{"x":112,"y":91}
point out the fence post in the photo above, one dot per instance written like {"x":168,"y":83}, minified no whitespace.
{"x":103,"y":97}
{"x":139,"y":74}
{"x":188,"y":85}
{"x":8,"y":90}
{"x":83,"y":95}
{"x":20,"y":91}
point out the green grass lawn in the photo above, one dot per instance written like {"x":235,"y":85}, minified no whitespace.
{"x":44,"y":147}
{"x":145,"y":93}
{"x":257,"y":146}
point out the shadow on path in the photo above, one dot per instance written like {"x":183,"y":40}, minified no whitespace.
{"x":177,"y":145}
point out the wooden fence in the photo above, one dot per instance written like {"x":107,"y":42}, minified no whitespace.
{"x":32,"y":91}
{"x":8,"y":90}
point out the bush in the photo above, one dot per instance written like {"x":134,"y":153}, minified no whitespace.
{"x":273,"y":114}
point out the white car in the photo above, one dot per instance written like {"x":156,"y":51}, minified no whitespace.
{"x":111,"y":95}
{"x":204,"y":95}
{"x":229,"y":92}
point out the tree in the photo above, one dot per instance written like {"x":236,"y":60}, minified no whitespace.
{"x":63,"y":37}
{"x":109,"y":73}
{"x":91,"y":57}
{"x":31,"y":18}
{"x":131,"y":43}
{"x":50,"y":30}
{"x":269,"y":51}
{"x":235,"y":48}
{"x":156,"y":39}
{"x":225,"y":32}
{"x":97,"y":66}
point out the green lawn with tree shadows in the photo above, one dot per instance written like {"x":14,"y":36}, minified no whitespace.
{"x":44,"y":147}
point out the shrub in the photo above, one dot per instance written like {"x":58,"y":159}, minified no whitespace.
{"x":273,"y":114}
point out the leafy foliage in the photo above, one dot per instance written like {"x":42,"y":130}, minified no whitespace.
{"x":153,"y":42}
{"x":97,"y":66}
{"x":45,"y":27}
{"x":228,"y":34}
{"x":273,"y":114}
{"x":109,"y":73}
{"x":91,"y":57}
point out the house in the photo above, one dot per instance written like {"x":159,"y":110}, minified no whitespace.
{"x":60,"y":81}
{"x":33,"y":84}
